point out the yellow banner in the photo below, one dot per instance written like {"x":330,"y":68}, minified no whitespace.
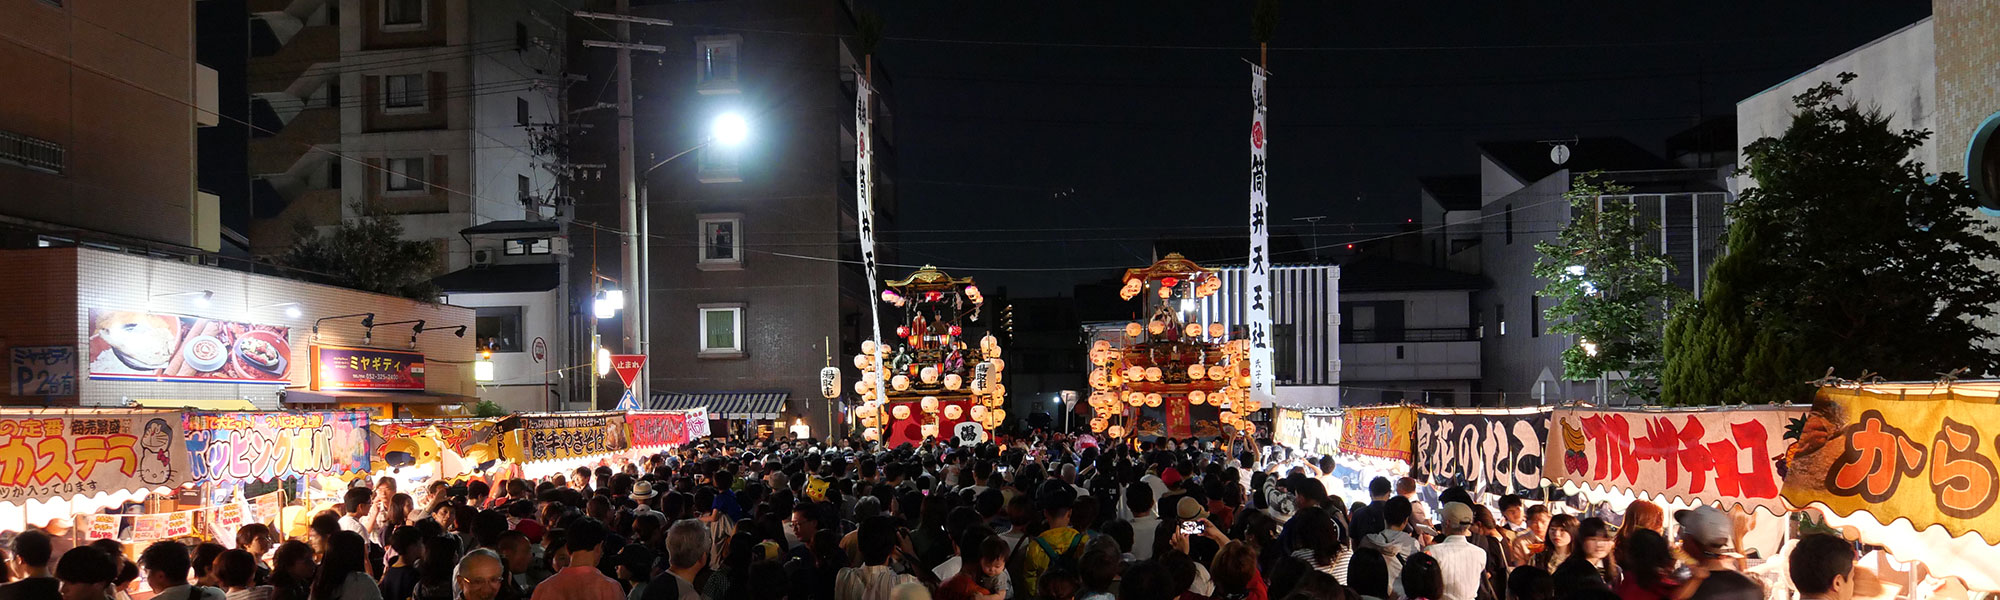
{"x":1378,"y":431}
{"x":1930,"y":461}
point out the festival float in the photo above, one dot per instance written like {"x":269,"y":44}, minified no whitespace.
{"x":930,"y":380}
{"x":1197,"y":376}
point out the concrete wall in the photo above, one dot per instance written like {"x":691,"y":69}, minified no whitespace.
{"x":1897,"y":73}
{"x":111,"y":82}
{"x":507,"y":76}
{"x":522,"y":382}
{"x":1968,"y":75}
{"x":62,"y":285}
{"x":1513,"y":360}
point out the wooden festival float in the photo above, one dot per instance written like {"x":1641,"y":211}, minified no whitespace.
{"x":1170,"y":362}
{"x":929,"y":380}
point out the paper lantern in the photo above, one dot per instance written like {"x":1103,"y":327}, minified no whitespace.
{"x":977,"y":412}
{"x":1116,"y":431}
{"x":989,"y":342}
{"x":861,"y":361}
{"x":1100,"y":345}
{"x":1192,"y":330}
{"x":1153,"y":400}
{"x":829,"y":382}
{"x":1217,"y":373}
{"x":871,"y":434}
{"x":1166,"y":292}
{"x":864,"y":412}
{"x":868,"y":346}
{"x":997,"y":415}
{"x":1157,"y":327}
{"x":928,"y":374}
{"x":1134,"y":329}
{"x":1197,"y":371}
{"x":1153,"y":373}
{"x":953,"y":411}
{"x":998,"y":365}
{"x":900,"y":382}
{"x":929,"y":404}
{"x":1097,"y":424}
{"x":901,"y":411}
{"x":1197,"y":397}
{"x":1135,"y":373}
{"x":929,"y":430}
{"x":953,"y":382}
{"x":860,"y":388}
{"x":1216,"y":330}
{"x":999,"y":390}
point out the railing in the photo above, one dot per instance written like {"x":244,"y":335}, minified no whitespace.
{"x":30,"y":152}
{"x":1375,"y":336}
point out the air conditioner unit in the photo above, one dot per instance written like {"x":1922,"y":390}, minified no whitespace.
{"x":482,"y":257}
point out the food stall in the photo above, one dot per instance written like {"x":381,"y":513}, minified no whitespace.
{"x":61,"y":462}
{"x":553,"y":443}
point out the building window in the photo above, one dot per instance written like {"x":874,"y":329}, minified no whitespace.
{"x":718,"y":165}
{"x":722,"y":330}
{"x":1982,"y":163}
{"x":499,"y":328}
{"x":521,"y":111}
{"x":31,"y":153}
{"x":520,"y":36}
{"x":524,"y":190}
{"x":405,"y":175}
{"x":1284,"y":339}
{"x":404,"y":93}
{"x":526,"y":246}
{"x":716,"y":64}
{"x":721,"y":242}
{"x":1534,"y":316}
{"x":1510,"y":224}
{"x":402,"y":14}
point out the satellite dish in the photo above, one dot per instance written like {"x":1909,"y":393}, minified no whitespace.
{"x":1559,"y":154}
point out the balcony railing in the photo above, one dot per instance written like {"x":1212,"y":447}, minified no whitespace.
{"x":1378,"y":336}
{"x":31,"y":152}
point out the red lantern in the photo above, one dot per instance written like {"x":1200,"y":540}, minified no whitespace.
{"x":955,"y":330}
{"x":902,"y":331}
{"x":1170,"y":282}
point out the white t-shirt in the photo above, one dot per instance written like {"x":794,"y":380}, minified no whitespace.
{"x":1142,"y":536}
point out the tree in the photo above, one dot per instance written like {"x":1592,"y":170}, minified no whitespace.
{"x":1608,"y":291}
{"x":1846,"y":255}
{"x":366,"y":253}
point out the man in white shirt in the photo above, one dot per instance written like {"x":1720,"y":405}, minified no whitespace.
{"x":358,"y":502}
{"x":1462,"y":563}
{"x":1145,"y":521}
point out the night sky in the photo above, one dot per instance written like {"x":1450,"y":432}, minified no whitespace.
{"x":1038,"y":140}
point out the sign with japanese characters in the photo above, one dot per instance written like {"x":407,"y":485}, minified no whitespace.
{"x":55,"y":455}
{"x":1288,"y":427}
{"x":1257,"y":277}
{"x":342,"y":368}
{"x":1322,"y":434}
{"x":43,"y":370}
{"x":261,"y":446}
{"x":1934,"y":462}
{"x":1378,"y":431}
{"x":697,"y":423}
{"x":653,"y":430}
{"x":458,"y":435}
{"x":1497,"y":451}
{"x":578,"y":435}
{"x":1715,"y":455}
{"x":140,"y":346}
{"x":101,"y":527}
{"x":864,"y":206}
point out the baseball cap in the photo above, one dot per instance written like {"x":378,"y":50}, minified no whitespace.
{"x":1170,"y":476}
{"x":1455,"y":515}
{"x":532,"y":529}
{"x":1189,"y":509}
{"x":1705,"y":525}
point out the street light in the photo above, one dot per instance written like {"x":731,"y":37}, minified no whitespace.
{"x":729,"y":129}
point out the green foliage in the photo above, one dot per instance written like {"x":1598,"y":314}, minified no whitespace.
{"x":1846,"y":256}
{"x":486,"y":408}
{"x":867,"y":31}
{"x":1609,"y":291}
{"x":366,"y":253}
{"x":1264,"y":21}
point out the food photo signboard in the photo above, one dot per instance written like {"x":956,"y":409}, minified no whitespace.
{"x":140,"y":346}
{"x":1729,"y":456}
{"x":345,"y":368}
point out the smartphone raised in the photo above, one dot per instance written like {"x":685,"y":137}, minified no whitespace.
{"x":1193,"y":527}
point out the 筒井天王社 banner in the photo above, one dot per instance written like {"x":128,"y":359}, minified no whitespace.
{"x":1721,"y":455}
{"x":52,"y":455}
{"x":1378,"y":431}
{"x":1498,"y":451}
{"x":1934,"y":462}
{"x":261,"y":446}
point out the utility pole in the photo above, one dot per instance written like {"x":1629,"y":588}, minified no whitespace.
{"x":631,"y":214}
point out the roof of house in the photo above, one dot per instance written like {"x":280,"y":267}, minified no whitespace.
{"x":1529,"y":159}
{"x":1454,"y":192}
{"x":483,"y":279}
{"x":1364,"y":273}
{"x":513,"y":226}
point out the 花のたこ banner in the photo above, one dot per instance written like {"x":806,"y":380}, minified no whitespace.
{"x":1497,"y":451}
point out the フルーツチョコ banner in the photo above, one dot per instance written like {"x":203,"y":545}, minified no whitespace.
{"x":1722,"y":455}
{"x":56,"y":454}
{"x":1497,"y":451}
{"x":261,"y":446}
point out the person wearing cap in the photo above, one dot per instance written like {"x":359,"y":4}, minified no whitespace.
{"x":1042,"y":551}
{"x":1706,"y":536}
{"x":1462,"y":563}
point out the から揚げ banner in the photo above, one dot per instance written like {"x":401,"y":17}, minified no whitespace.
{"x":1930,"y":461}
{"x":54,"y":455}
{"x":1378,"y":431}
{"x":657,"y":429}
{"x":1497,"y":451}
{"x":1722,"y":455}
{"x":571,"y":436}
{"x":261,"y":446}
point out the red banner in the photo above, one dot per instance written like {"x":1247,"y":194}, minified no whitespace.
{"x":1180,"y":424}
{"x":652,"y":430}
{"x":341,"y":368}
{"x":1726,"y":456}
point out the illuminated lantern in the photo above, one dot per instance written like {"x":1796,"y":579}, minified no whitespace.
{"x":901,"y":411}
{"x":929,"y":404}
{"x":867,"y":346}
{"x":953,"y":411}
{"x":989,"y":342}
{"x":997,"y":415}
{"x":1153,"y":400}
{"x":860,"y":388}
{"x":900,"y":382}
{"x":1217,"y":373}
{"x":1197,"y":371}
{"x":871,"y":434}
{"x":1215,"y":330}
{"x":1134,"y":329}
{"x":1197,"y":397}
{"x":861,"y":361}
{"x":1135,"y":398}
{"x":1132,"y":288}
{"x":1100,"y":345}
{"x":977,"y":412}
{"x":953,"y":382}
{"x":864,"y":412}
{"x":902,"y":331}
{"x":999,"y":390}
{"x":1135,"y":373}
{"x":929,"y":375}
{"x":1166,"y":292}
{"x":1169,"y":281}
{"x":1097,"y":424}
{"x":1157,"y":327}
{"x":829,"y":382}
{"x":930,"y":430}
{"x":1153,"y":373}
{"x":1116,"y":431}
{"x":998,"y":365}
{"x":1192,"y":330}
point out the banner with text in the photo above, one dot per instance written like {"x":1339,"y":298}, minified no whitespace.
{"x":657,"y":429}
{"x":1378,"y":431}
{"x":458,"y":435}
{"x":341,"y":368}
{"x":1497,"y":451}
{"x":1715,"y":455}
{"x":1322,"y":434}
{"x":1257,"y":277}
{"x":261,"y":446}
{"x":46,"y":456}
{"x":1288,"y":427}
{"x":580,"y":435}
{"x":864,"y":209}
{"x":1930,"y":461}
{"x":697,"y":423}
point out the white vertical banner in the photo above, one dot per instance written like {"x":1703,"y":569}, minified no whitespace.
{"x":1257,"y":276}
{"x":864,"y":205}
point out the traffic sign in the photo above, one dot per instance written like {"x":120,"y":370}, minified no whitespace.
{"x":627,"y":366}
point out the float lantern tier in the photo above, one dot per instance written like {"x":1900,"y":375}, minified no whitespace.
{"x":1170,"y":359}
{"x":933,"y":375}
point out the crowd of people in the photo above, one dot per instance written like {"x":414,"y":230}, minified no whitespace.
{"x":1033,"y":520}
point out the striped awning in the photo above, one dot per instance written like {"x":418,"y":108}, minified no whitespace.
{"x":725,"y":405}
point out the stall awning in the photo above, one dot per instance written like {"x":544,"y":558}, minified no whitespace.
{"x":338,"y":396}
{"x":725,"y":405}
{"x":229,"y":404}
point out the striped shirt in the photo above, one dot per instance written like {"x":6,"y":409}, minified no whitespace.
{"x":1462,"y":564}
